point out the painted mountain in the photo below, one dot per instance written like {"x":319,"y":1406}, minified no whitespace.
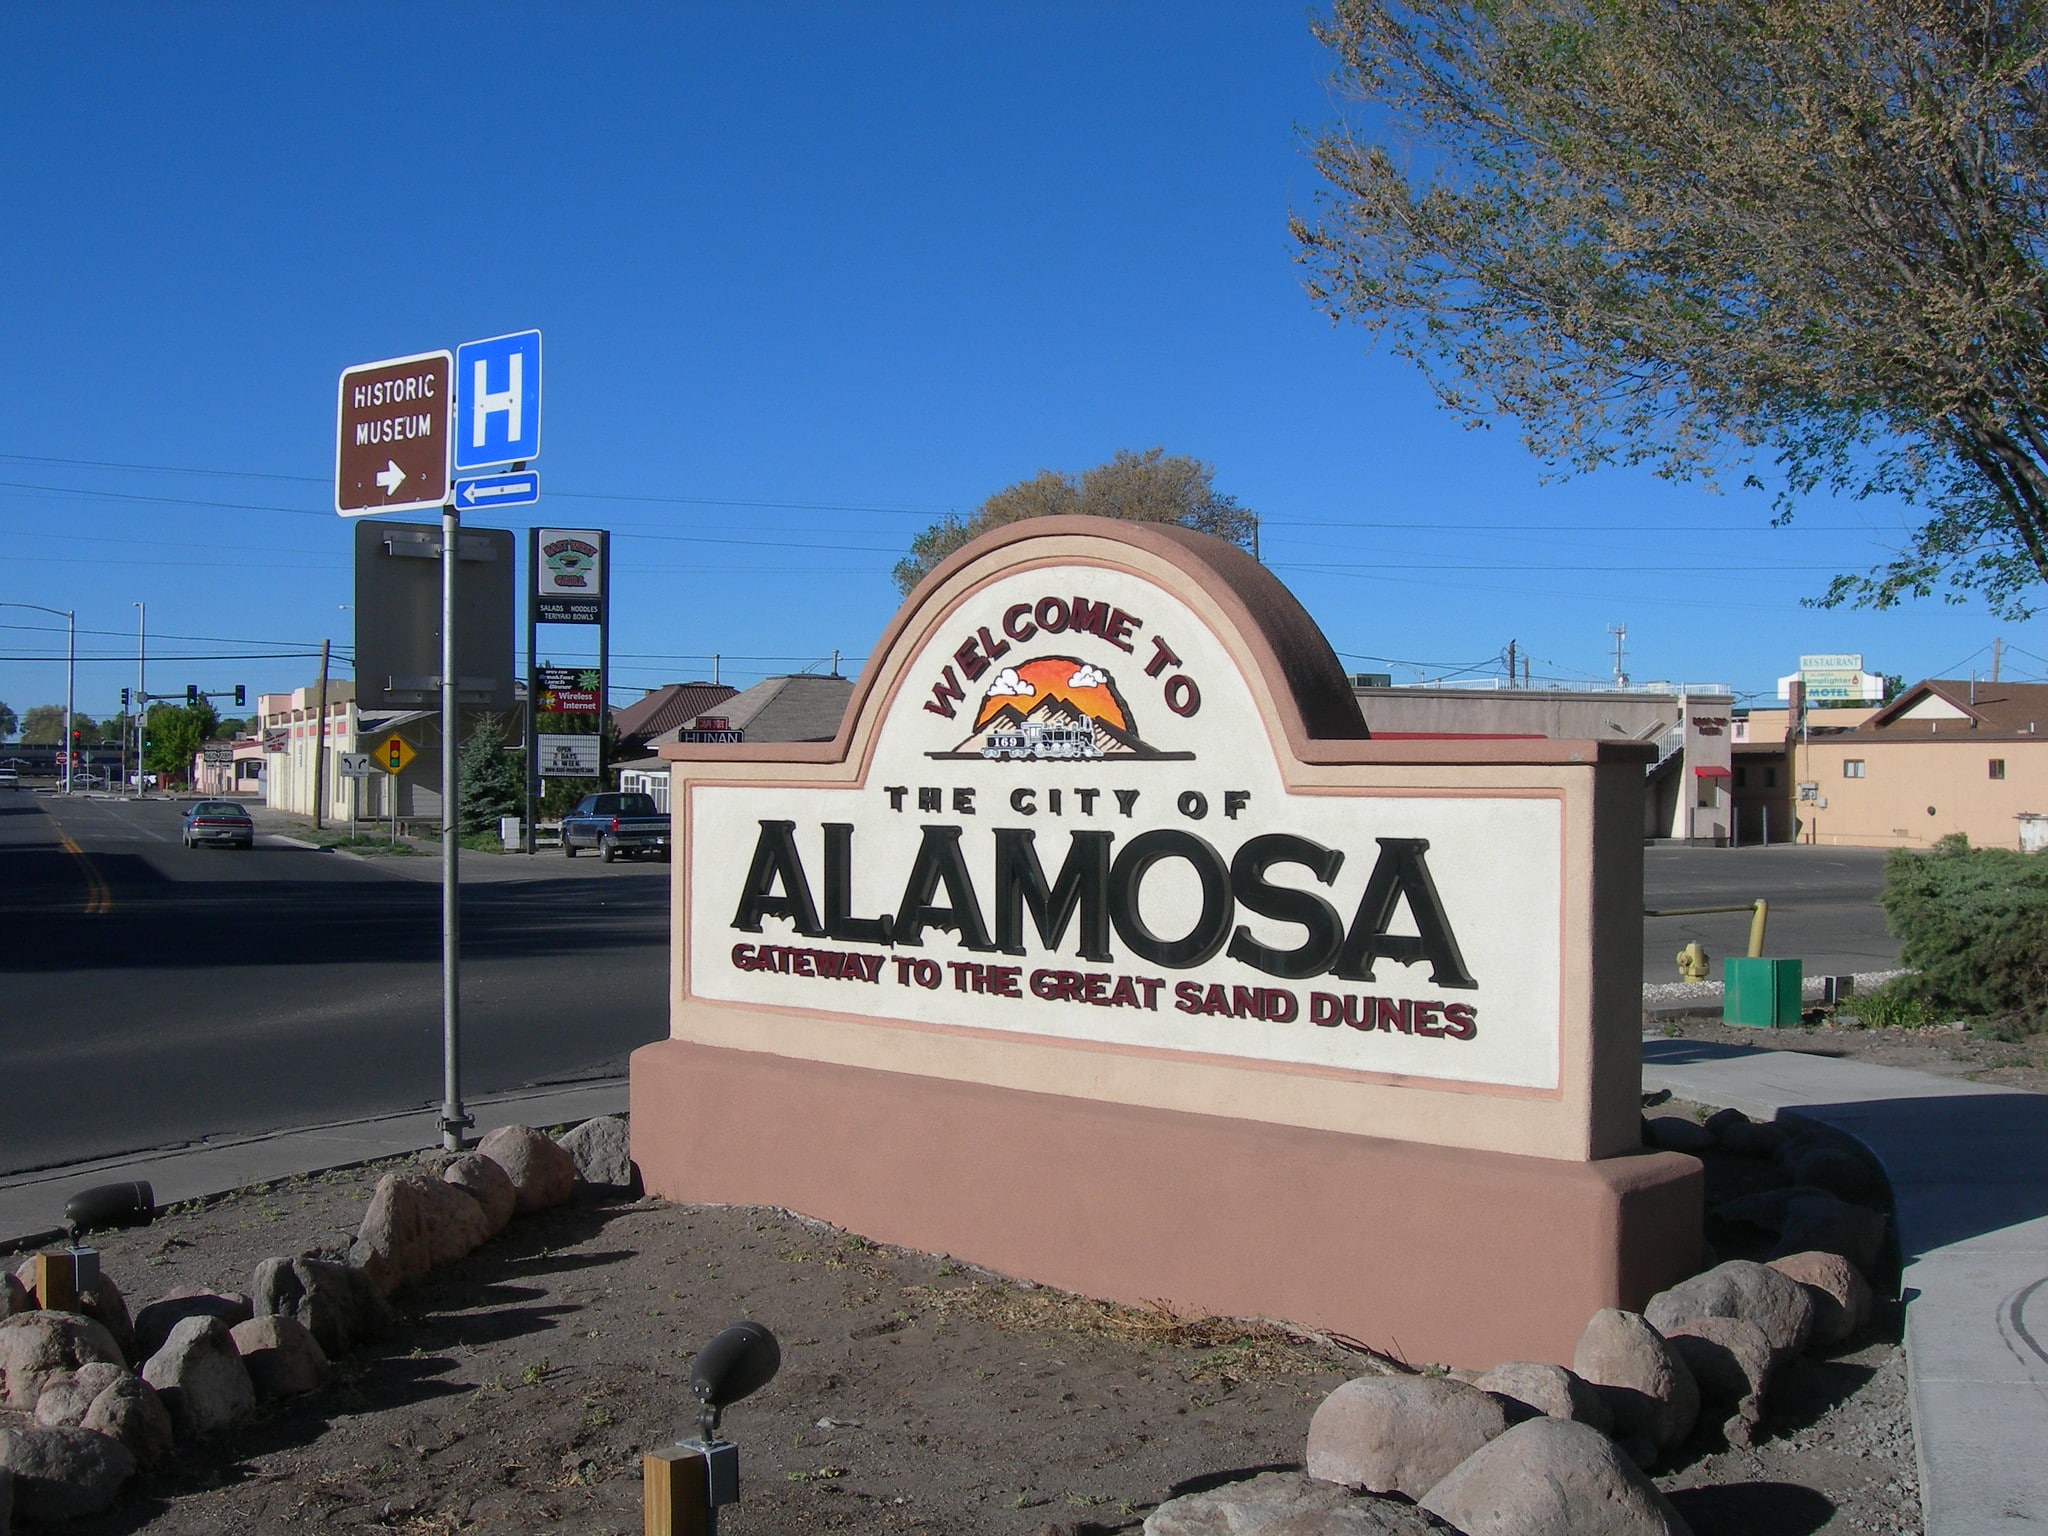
{"x":1053,"y":707}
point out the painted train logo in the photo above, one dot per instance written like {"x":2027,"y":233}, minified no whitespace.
{"x":1053,"y":708}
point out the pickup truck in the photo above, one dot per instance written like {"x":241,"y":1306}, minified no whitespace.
{"x":615,"y":824}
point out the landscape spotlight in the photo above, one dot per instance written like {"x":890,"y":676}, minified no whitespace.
{"x":738,"y":1363}
{"x":110,"y":1205}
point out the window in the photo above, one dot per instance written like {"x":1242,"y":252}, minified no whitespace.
{"x":1770,"y":778}
{"x":1742,"y":778}
{"x":1852,"y":768}
{"x":1998,"y":767}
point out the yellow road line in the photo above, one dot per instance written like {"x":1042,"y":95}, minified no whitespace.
{"x":99,"y":896}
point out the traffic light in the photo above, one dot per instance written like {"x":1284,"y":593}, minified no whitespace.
{"x":124,"y":701}
{"x":191,"y":694}
{"x":241,"y":696}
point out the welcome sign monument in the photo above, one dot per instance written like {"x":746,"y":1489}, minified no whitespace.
{"x":1105,"y":947}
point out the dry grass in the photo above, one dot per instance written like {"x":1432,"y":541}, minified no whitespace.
{"x":1226,"y":1349}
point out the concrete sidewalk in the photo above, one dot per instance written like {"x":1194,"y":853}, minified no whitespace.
{"x":32,"y":1204}
{"x":1968,"y":1166}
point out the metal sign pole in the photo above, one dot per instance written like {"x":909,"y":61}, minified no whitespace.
{"x":453,"y":1121}
{"x":532,"y":686}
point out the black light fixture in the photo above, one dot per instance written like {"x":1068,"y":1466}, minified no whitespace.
{"x":108,"y":1206}
{"x":738,"y":1363}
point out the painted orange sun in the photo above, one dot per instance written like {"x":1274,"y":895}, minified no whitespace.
{"x":1053,"y":677}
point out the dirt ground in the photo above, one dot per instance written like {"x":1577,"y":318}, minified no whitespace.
{"x":1946,"y":1050}
{"x":517,"y":1390}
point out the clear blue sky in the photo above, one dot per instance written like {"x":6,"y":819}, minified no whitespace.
{"x":810,"y":276}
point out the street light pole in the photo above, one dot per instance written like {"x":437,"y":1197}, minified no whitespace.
{"x":141,"y":697}
{"x":70,"y":618}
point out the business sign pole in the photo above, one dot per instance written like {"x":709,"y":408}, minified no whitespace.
{"x":569,"y":571}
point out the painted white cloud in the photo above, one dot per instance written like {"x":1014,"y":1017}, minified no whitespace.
{"x":1088,"y":677}
{"x":1008,"y":685}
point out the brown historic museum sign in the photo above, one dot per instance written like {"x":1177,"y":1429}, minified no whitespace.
{"x":1104,"y":947}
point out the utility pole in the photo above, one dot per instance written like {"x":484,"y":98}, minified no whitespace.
{"x":320,"y":745}
{"x":1511,"y":663}
{"x":1620,"y":633}
{"x":141,"y":696}
{"x":1997,"y":649}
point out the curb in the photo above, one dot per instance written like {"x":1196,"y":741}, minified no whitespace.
{"x":32,"y":1203}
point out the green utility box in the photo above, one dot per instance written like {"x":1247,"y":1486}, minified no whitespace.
{"x":1763,"y":994}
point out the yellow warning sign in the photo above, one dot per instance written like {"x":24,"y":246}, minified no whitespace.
{"x":393,"y":753}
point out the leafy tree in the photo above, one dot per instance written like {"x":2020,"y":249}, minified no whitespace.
{"x":9,"y":722}
{"x":1148,"y":487}
{"x":1696,"y":233}
{"x":43,"y":725}
{"x":173,"y":735}
{"x":490,"y":781}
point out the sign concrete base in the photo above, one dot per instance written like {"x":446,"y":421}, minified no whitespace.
{"x":1399,"y":1245}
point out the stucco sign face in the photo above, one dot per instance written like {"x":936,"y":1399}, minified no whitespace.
{"x":1072,"y":822}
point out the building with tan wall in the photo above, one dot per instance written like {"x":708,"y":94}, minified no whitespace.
{"x":1945,"y":756}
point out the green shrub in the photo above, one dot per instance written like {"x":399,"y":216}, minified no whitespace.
{"x":1974,"y":922}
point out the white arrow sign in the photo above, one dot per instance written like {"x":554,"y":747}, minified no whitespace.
{"x":390,"y":477}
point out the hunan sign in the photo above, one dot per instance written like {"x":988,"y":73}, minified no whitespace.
{"x":1104,"y":836}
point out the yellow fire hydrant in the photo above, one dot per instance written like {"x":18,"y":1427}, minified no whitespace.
{"x":1692,"y":962}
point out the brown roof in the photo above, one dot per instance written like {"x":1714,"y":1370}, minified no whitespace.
{"x":667,"y":707}
{"x":1990,"y":709}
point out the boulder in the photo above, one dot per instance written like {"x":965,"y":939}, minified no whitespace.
{"x":456,"y":1224}
{"x":1822,"y":1222}
{"x":1840,"y":1172}
{"x":488,"y":1184}
{"x":1778,"y":1307}
{"x":1675,"y":1133}
{"x":66,"y":1397}
{"x":1645,"y":1383}
{"x":540,"y":1170}
{"x":1399,"y":1434}
{"x":336,"y":1302}
{"x":1721,"y":1121}
{"x":1285,"y":1504}
{"x":36,"y":1346}
{"x":1548,"y":1389}
{"x":63,"y":1474}
{"x":1731,"y":1360}
{"x":603,"y":1151}
{"x":1764,"y":1209}
{"x":282,"y":1357}
{"x":1841,"y":1296}
{"x":104,"y":1304}
{"x":1749,"y":1138}
{"x":131,"y":1412}
{"x":200,"y":1378}
{"x":1550,"y":1477}
{"x":153,"y":1324}
{"x":393,"y":1246}
{"x":18,"y":1300}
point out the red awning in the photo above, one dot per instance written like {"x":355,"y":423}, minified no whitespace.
{"x":1710,"y":773}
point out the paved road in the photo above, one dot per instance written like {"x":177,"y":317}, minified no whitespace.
{"x":151,"y":994}
{"x":1823,"y":906}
